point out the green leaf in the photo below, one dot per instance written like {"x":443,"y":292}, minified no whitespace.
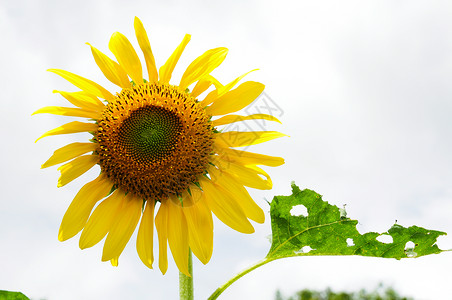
{"x":327,"y":231}
{"x":6,"y":295}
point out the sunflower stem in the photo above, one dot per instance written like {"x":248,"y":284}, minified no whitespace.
{"x":186,"y":282}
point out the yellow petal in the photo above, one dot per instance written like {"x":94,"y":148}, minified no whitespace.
{"x":127,"y":57}
{"x":225,"y":207}
{"x":178,"y":236}
{"x":166,"y":70}
{"x":202,"y":85}
{"x":209,"y":98}
{"x":240,"y":138}
{"x":146,"y":235}
{"x":101,"y":220}
{"x":69,"y":152}
{"x":145,"y":46}
{"x":123,"y":227}
{"x":84,"y":84}
{"x":161,"y":224}
{"x":185,"y":200}
{"x":111,"y":69}
{"x":236,"y":118}
{"x":68,"y":111}
{"x":200,"y":229}
{"x":213,"y":95}
{"x":202,"y":66}
{"x":78,"y":212}
{"x":223,"y":90}
{"x":248,"y":158}
{"x":249,"y":176}
{"x":114,"y":261}
{"x":236,"y":99}
{"x":75,"y":168}
{"x":83,"y":100}
{"x":72,"y":127}
{"x":238,"y":192}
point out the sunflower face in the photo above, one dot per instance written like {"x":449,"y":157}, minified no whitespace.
{"x":154,"y":141}
{"x":157,"y":144}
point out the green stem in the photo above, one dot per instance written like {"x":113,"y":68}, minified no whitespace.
{"x":186,"y":282}
{"x":238,"y":276}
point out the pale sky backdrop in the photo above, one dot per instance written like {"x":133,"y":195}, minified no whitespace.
{"x":366,"y":97}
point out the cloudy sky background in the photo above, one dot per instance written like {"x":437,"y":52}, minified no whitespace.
{"x":366,"y":94}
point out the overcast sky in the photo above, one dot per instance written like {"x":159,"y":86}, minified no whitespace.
{"x":363,"y":89}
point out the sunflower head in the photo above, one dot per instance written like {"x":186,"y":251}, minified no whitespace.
{"x":154,"y":140}
{"x":157,"y":144}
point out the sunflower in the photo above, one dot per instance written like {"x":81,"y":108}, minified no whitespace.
{"x":158,"y":150}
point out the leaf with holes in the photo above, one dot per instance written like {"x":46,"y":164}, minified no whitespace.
{"x":325,"y":230}
{"x":303,"y":224}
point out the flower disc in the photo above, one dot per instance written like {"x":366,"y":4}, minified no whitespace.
{"x":154,"y":140}
{"x":150,"y":133}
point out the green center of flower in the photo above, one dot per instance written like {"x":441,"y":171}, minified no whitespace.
{"x":150,"y":133}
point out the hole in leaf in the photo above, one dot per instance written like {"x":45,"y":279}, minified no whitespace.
{"x":385,"y":238}
{"x":443,"y":242}
{"x":299,"y":210}
{"x":409,"y":249}
{"x":306,"y":249}
{"x":350,"y":242}
{"x":409,"y":245}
